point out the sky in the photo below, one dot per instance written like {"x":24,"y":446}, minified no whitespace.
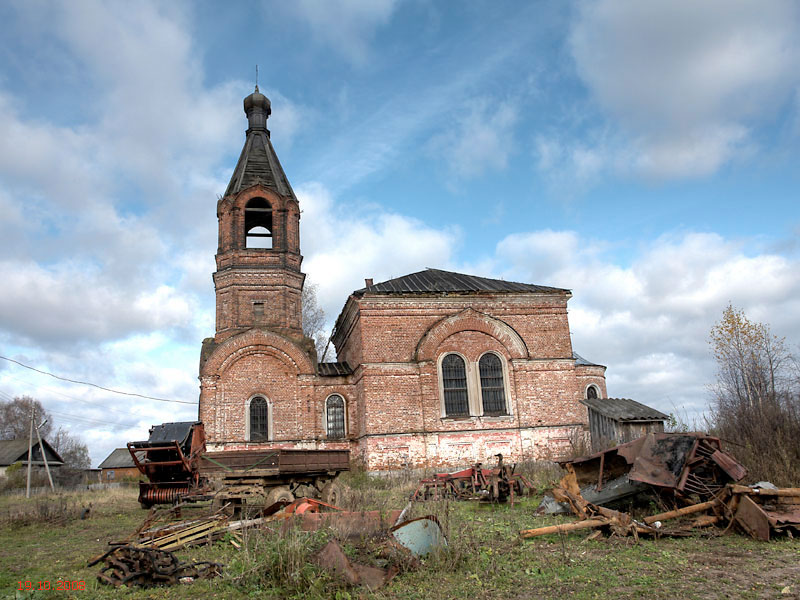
{"x":642,"y":155}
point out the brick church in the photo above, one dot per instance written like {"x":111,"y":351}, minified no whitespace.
{"x":434,"y":368}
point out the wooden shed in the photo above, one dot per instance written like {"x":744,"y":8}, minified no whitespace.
{"x":118,"y":465}
{"x":615,"y":421}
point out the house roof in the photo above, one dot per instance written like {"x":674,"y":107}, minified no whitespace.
{"x":334,"y":369}
{"x":624,"y":409}
{"x":438,"y":281}
{"x":120,"y":458}
{"x":12,"y":451}
{"x":258,"y":163}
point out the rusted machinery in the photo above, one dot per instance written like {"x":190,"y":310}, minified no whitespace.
{"x":169,"y":458}
{"x":179,"y":469}
{"x":476,"y":483}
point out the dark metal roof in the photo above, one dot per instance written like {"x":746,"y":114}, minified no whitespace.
{"x":582,"y":362}
{"x":118,"y":459}
{"x":12,"y":451}
{"x":436,"y":280}
{"x":335,"y":369}
{"x":171,"y":432}
{"x":258,"y":162}
{"x":624,"y":409}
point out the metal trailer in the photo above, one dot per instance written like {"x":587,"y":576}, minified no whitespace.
{"x":259,"y":478}
{"x":179,"y":469}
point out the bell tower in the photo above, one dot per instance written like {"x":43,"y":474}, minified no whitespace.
{"x":258,"y":281}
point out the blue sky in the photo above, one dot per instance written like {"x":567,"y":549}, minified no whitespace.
{"x":641,"y":154}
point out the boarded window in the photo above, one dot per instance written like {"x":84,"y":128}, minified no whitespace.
{"x":591,"y":392}
{"x":493,"y":391}
{"x":454,"y":382}
{"x":259,"y":420}
{"x":334,"y":416}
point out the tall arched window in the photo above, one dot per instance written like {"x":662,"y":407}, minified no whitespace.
{"x":258,"y":224}
{"x":259,"y":420}
{"x":454,"y":382}
{"x":591,"y":392}
{"x":334,"y":416}
{"x":493,"y":392}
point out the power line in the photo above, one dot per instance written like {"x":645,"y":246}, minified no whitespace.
{"x":98,"y":403}
{"x":100,"y":387}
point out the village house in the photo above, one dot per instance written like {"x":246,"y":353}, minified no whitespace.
{"x":433,"y":369}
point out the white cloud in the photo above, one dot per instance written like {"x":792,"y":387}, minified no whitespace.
{"x":343,"y":246}
{"x":685,"y":83}
{"x":345,"y":25}
{"x":480,"y":141}
{"x":649,"y":321}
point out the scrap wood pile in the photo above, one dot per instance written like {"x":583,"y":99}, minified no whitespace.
{"x":475,"y":483}
{"x":688,"y":471}
{"x":148,"y":567}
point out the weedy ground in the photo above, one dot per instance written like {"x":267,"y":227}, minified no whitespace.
{"x":44,"y":539}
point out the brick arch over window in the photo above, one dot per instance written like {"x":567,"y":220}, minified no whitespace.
{"x":470,"y":320}
{"x":257,"y":341}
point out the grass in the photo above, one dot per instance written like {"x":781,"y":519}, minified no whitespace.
{"x":486,"y":558}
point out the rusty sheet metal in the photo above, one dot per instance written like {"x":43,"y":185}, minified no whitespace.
{"x":752,"y":518}
{"x":690,"y":463}
{"x":332,"y":558}
{"x":736,"y":471}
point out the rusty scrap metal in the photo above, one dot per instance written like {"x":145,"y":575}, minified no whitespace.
{"x":475,"y":483}
{"x":675,"y":466}
{"x":147,"y":567}
{"x":762,"y":512}
{"x":332,"y":558}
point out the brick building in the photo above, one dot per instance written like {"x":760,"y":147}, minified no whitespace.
{"x":434,"y":368}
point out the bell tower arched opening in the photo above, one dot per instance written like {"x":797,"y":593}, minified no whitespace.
{"x":258,"y":224}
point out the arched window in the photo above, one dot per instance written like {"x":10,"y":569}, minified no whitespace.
{"x":259,"y":420}
{"x":591,"y":392}
{"x":258,"y":224}
{"x":493,"y":392}
{"x":334,"y":416}
{"x":454,"y":382}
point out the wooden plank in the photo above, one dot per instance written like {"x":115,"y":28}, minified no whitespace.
{"x":687,"y":510}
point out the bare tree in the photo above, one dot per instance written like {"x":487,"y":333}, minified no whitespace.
{"x":15,"y":418}
{"x":72,"y":449}
{"x":756,"y":399}
{"x":314,"y":318}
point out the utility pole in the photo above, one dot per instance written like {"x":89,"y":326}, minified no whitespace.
{"x":30,"y":451}
{"x":44,"y":456}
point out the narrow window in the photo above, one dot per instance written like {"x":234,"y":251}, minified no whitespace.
{"x":259,"y":423}
{"x":493,"y":391}
{"x":454,"y":382}
{"x":334,"y":416}
{"x":258,"y":224}
{"x":591,"y":393}
{"x":258,"y":313}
